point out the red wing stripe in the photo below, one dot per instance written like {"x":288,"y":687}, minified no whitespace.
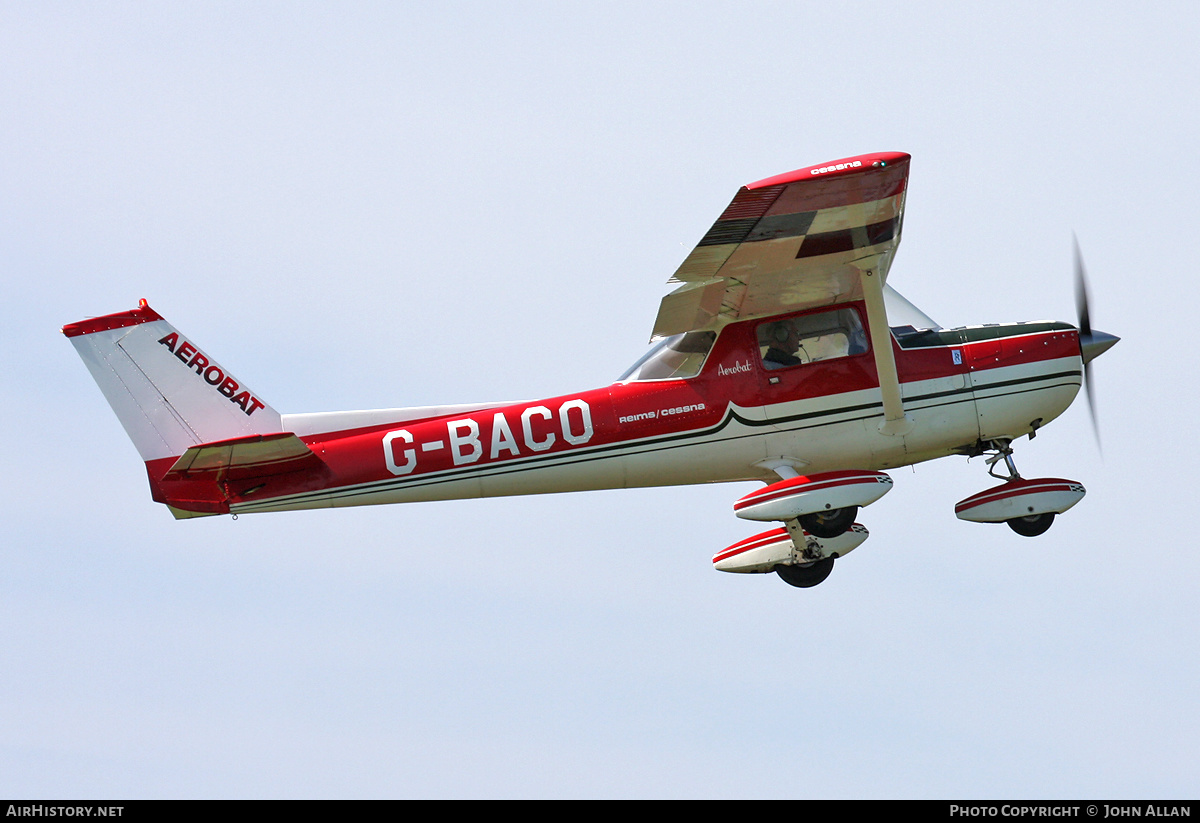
{"x":850,"y":167}
{"x":833,"y":242}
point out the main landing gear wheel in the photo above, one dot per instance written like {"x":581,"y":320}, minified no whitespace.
{"x":829,"y":523}
{"x":1033,"y":525}
{"x":806,"y":576}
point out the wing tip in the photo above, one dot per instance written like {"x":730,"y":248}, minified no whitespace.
{"x":859,"y":164}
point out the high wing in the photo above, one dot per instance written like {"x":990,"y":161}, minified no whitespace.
{"x":802,"y":239}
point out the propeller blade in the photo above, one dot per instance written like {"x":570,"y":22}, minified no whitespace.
{"x":1091,"y":398}
{"x":1091,"y":344}
{"x":1081,"y":292}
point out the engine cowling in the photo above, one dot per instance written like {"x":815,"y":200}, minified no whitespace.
{"x":763,"y":552}
{"x":1020,"y":498}
{"x":799,"y":496}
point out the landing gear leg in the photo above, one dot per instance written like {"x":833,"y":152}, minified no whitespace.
{"x":1003,"y":449}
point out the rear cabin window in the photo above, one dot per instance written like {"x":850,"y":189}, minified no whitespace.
{"x":810,"y":338}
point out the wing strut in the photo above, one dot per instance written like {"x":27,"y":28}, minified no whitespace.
{"x":895,"y":421}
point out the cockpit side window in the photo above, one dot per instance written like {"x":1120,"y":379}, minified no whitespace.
{"x":676,"y":357}
{"x":811,"y":337}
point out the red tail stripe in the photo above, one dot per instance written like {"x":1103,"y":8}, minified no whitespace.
{"x":142,"y":314}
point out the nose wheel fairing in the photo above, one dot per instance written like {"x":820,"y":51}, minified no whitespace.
{"x":1018,"y":499}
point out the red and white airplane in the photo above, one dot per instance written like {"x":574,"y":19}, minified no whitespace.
{"x":782,"y":356}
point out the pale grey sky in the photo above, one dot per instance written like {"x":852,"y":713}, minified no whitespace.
{"x":335,"y":198}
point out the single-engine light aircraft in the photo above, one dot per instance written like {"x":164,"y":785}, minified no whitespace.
{"x":782,"y":356}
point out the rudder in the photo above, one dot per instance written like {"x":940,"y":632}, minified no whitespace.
{"x":166,"y":391}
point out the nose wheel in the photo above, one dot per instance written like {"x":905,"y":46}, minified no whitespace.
{"x":1028,"y":506}
{"x":1031,"y":526}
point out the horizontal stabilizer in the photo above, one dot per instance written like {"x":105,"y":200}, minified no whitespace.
{"x":260,"y":455}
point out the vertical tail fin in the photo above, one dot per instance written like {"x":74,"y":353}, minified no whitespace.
{"x":167,"y":392}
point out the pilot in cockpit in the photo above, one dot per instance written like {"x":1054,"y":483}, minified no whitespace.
{"x":811,"y":338}
{"x":783,"y":341}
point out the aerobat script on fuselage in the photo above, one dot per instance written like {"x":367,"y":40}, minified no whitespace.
{"x":782,"y":356}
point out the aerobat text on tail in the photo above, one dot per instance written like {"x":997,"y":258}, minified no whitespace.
{"x":782,"y":356}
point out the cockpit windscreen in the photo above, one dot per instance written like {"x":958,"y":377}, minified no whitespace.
{"x":675,"y":358}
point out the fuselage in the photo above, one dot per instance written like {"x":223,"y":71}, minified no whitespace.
{"x":737,"y":418}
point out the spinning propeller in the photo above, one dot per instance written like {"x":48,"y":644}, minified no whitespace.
{"x":1092,"y":344}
